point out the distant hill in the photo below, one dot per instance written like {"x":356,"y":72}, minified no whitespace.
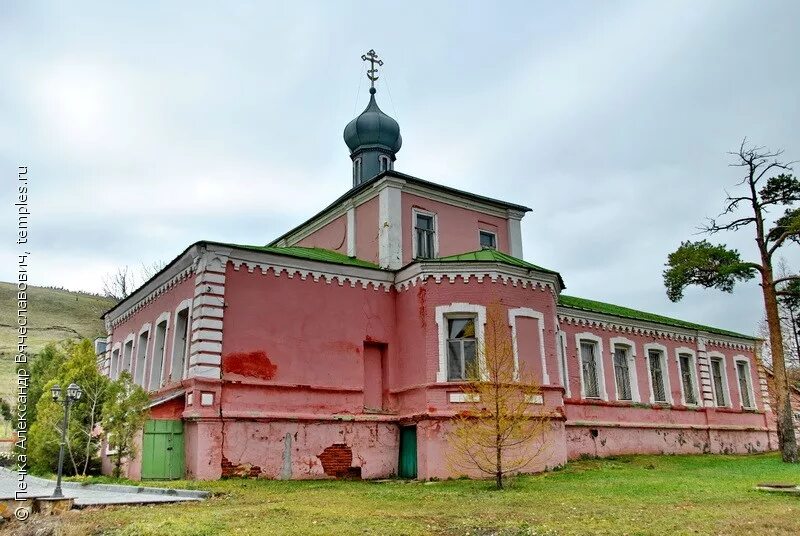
{"x":54,"y":315}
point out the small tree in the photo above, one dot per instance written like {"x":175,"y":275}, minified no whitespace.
{"x":120,"y":283}
{"x":81,"y":368}
{"x":76,"y":364}
{"x":715,"y":266}
{"x":124,"y":413}
{"x":503,"y":432}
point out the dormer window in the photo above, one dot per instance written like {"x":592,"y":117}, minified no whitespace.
{"x":385,"y":163}
{"x":424,"y":235}
{"x":487,"y":239}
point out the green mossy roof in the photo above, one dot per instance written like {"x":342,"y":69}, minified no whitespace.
{"x":491,"y":255}
{"x":314,"y":254}
{"x":624,"y":312}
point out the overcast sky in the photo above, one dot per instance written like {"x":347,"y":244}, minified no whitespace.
{"x":148,"y":127}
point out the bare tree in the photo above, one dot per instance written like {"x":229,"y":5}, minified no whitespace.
{"x":504,"y":429}
{"x":146,"y":271}
{"x":123,"y":281}
{"x":118,"y":284}
{"x":716,"y":266}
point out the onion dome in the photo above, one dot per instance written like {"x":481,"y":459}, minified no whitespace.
{"x":373,"y":129}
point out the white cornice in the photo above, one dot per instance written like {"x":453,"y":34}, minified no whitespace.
{"x":178,"y":272}
{"x":522,"y":277}
{"x":458,"y":200}
{"x":330,"y":273}
{"x":580,"y":317}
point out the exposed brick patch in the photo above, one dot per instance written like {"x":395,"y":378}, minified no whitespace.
{"x":241,"y":470}
{"x":255,"y":364}
{"x":337,"y":461}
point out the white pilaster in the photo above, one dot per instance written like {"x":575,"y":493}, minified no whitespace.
{"x":390,"y":232}
{"x":351,"y":232}
{"x":515,"y":233}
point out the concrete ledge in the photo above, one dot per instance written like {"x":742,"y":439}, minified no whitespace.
{"x":114,"y":488}
{"x":122,"y":488}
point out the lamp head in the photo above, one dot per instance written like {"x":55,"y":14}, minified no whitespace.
{"x":55,"y":391}
{"x":74,"y":391}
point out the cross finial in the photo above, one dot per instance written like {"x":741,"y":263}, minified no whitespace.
{"x":372,"y":72}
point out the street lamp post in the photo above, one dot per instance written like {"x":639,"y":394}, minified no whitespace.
{"x":73,"y":394}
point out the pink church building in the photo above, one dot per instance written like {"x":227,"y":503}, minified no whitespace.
{"x":339,"y":349}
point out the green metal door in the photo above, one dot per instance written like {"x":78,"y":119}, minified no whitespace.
{"x":162,"y":450}
{"x":407,"y":467}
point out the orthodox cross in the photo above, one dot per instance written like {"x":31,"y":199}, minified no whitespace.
{"x":372,"y":72}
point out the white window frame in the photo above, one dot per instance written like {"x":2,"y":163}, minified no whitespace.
{"x":665,"y":372}
{"x":693,"y":369}
{"x":146,"y":328}
{"x":601,"y":377}
{"x":113,"y":370}
{"x":163,"y":317}
{"x":454,"y":310}
{"x":494,"y":236}
{"x":748,"y":380}
{"x":633,"y":375}
{"x":185,"y":304}
{"x":418,"y":211}
{"x":563,"y":362}
{"x":131,"y":338}
{"x":725,"y":387}
{"x":512,"y":320}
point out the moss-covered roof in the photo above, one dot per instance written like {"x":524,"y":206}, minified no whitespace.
{"x":314,"y":254}
{"x":625,"y":312}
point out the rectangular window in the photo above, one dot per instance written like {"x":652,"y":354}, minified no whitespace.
{"x":744,"y":384}
{"x":462,"y":360}
{"x":687,"y":378}
{"x":622,"y":374}
{"x":488,"y":240}
{"x":424,"y":230}
{"x":717,"y":373}
{"x":657,"y":376}
{"x":591,"y":387}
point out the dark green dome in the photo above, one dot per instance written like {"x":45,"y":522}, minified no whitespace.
{"x":373,"y":129}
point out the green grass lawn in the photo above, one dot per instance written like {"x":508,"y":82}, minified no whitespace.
{"x":625,"y":495}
